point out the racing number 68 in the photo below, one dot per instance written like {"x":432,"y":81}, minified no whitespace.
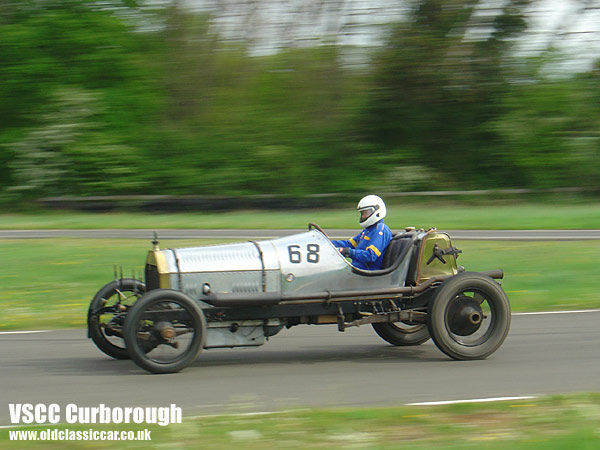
{"x":312,"y":253}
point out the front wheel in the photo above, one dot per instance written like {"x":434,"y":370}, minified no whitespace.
{"x":470,"y":316}
{"x":402,"y":334}
{"x":165,"y":331}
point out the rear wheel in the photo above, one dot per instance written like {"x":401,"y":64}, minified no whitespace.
{"x":470,"y":316}
{"x":106,"y":315}
{"x":401,"y":333}
{"x":165,"y":331}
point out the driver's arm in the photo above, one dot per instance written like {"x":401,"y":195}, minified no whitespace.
{"x":378,"y":242}
{"x":347,"y":243}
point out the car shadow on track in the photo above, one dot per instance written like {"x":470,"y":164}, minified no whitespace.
{"x":247,"y":358}
{"x":316,"y":355}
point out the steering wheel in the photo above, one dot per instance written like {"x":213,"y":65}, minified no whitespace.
{"x":314,"y":225}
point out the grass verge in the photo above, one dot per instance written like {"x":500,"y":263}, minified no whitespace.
{"x":556,"y":422}
{"x":528,"y":216}
{"x":48,"y":283}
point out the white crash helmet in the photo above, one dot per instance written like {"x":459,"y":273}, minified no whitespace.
{"x":375,"y":210}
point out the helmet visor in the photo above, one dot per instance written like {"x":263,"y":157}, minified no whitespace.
{"x":365,"y":213}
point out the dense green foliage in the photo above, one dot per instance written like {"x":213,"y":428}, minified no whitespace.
{"x":111,"y":97}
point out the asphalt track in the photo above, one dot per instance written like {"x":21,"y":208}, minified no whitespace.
{"x":306,"y":366}
{"x":505,"y":235}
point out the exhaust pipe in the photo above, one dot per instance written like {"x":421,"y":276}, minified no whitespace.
{"x":274,"y":298}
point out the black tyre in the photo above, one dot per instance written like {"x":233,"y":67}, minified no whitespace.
{"x":469,"y":317}
{"x":106,"y":315}
{"x":402,"y":334}
{"x":165,"y":331}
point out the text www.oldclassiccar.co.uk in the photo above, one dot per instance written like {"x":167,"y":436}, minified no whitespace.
{"x":78,"y":435}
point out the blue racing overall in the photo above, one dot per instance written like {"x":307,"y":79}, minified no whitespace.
{"x":367,"y":247}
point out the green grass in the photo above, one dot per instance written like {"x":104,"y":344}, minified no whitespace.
{"x":442,"y":216}
{"x":548,"y":423}
{"x":48,"y":283}
{"x":540,"y":276}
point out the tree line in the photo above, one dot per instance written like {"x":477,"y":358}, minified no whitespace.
{"x":113,"y":97}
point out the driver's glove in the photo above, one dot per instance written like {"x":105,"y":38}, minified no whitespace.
{"x":345,"y":251}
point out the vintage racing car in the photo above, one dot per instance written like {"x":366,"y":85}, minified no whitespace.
{"x":240,"y":294}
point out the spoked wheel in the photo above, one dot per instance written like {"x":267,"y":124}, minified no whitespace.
{"x":470,"y":316}
{"x":106,"y":315}
{"x":402,"y":333}
{"x":165,"y":331}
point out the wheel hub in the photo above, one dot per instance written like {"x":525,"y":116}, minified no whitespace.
{"x":464,"y":316}
{"x":165,"y":330}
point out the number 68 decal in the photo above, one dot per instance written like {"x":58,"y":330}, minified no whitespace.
{"x":312,"y":253}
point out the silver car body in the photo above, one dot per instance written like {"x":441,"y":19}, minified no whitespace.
{"x":302,"y":263}
{"x":238,"y":295}
{"x":306,"y":262}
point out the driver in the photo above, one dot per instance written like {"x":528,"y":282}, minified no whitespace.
{"x":366,"y":249}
